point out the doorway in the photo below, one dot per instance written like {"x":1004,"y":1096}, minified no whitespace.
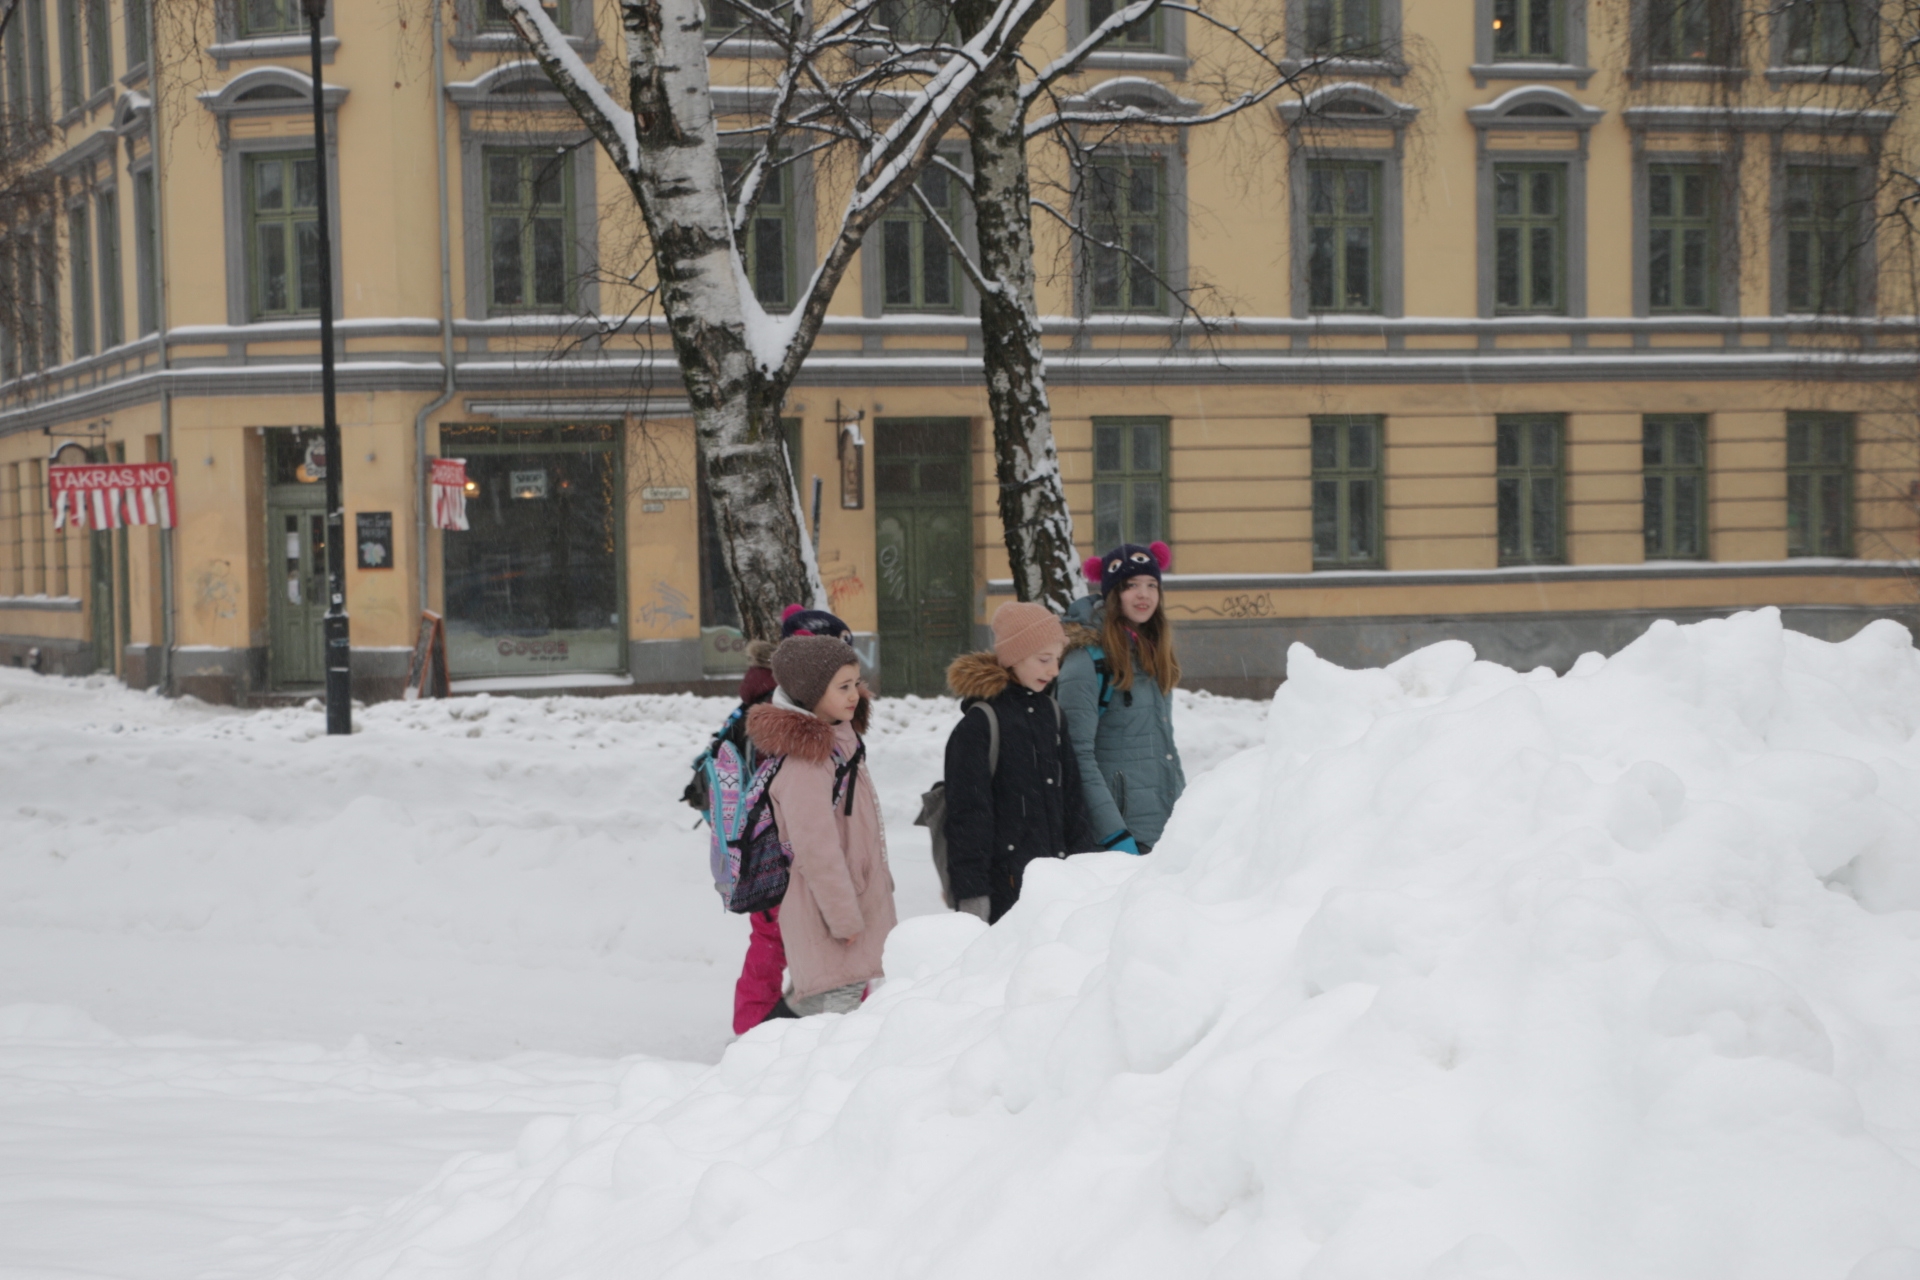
{"x":296,"y":558}
{"x":923,"y":533}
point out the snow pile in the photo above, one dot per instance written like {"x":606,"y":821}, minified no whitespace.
{"x":1466,"y":974}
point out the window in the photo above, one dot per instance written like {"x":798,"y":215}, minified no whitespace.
{"x":1680,"y":238}
{"x":529,"y":225}
{"x":138,"y":19}
{"x":1529,"y":237}
{"x":1343,"y":236}
{"x":918,"y":265}
{"x":34,"y":14}
{"x":271,"y":17}
{"x":1126,"y":200}
{"x":106,"y":217}
{"x":1336,"y":28}
{"x":146,"y":250}
{"x":1527,"y":488}
{"x":1673,"y":465}
{"x":767,"y":246}
{"x":493,"y":15}
{"x":1689,"y":31}
{"x":1129,"y":480}
{"x":73,"y":86}
{"x":1346,"y":493}
{"x":1146,"y":35}
{"x":18,"y":96}
{"x":1528,"y":30}
{"x":1828,"y":33}
{"x":917,"y":21}
{"x":1822,"y":225}
{"x":283,"y":235}
{"x":99,"y":47}
{"x":80,"y":277}
{"x":1819,"y":484}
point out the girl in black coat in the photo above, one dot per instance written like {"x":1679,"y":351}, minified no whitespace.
{"x":1031,"y":805}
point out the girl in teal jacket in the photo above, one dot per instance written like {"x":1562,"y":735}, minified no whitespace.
{"x":1116,"y":688}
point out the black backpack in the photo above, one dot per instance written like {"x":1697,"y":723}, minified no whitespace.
{"x":933,"y":804}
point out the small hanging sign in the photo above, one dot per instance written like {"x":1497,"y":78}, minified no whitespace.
{"x":109,"y":495}
{"x":449,"y":478}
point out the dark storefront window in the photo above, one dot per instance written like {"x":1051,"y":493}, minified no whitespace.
{"x":533,"y":586}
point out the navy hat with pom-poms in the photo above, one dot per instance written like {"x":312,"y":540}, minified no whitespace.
{"x":1113,"y":569}
{"x":801,"y":621}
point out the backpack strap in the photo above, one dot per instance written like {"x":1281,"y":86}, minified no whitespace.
{"x":849,"y":772}
{"x":993,"y":737}
{"x":1100,"y":665}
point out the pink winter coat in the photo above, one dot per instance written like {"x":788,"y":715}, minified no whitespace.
{"x":841,"y":887}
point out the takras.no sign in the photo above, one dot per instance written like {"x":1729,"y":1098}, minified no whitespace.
{"x":107,"y":495}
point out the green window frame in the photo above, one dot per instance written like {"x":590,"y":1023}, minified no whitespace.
{"x":1822,"y":230}
{"x":1820,"y":485}
{"x":34,"y":18}
{"x":1828,"y":33}
{"x":270,"y":17}
{"x":1529,"y":30}
{"x":146,"y":251}
{"x":139,"y":24}
{"x":73,"y":57}
{"x":767,"y":248}
{"x":1530,"y":238}
{"x":1682,"y":256}
{"x":19,"y":100}
{"x":1673,"y":468}
{"x":1126,"y":201}
{"x":99,"y":46}
{"x":1347,"y":490}
{"x":918,"y":21}
{"x":918,"y":269}
{"x":1343,"y":235}
{"x":80,"y":278}
{"x":1148,"y":35}
{"x":530,"y":231}
{"x":493,"y":15}
{"x":283,"y":234}
{"x":1530,"y":488}
{"x":1342,"y":28}
{"x":106,"y":225}
{"x":1679,"y":32}
{"x":1129,"y":481}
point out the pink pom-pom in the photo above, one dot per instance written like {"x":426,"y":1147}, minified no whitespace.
{"x":790,"y":610}
{"x":1163,"y":553}
{"x":1091,"y":568}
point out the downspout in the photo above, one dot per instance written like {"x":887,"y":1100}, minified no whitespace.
{"x":169,"y":638}
{"x":422,"y":495}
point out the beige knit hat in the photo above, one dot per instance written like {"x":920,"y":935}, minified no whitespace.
{"x":1021,"y":630}
{"x":806,"y":665}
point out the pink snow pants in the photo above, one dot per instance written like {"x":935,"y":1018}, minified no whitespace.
{"x":759,"y":987}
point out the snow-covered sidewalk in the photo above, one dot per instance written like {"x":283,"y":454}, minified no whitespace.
{"x":262,"y":981}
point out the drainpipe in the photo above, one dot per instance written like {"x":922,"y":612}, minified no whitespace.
{"x":168,"y":604}
{"x":421,"y":494}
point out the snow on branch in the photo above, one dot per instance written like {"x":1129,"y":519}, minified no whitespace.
{"x":610,"y":122}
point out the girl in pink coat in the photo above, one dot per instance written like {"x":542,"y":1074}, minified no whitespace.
{"x":839,"y":908}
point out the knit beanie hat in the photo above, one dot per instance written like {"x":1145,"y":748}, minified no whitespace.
{"x":1021,"y":630}
{"x":1126,"y":561}
{"x":806,"y":665}
{"x":801,"y":621}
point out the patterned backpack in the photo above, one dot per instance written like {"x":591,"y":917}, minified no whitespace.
{"x":749,"y":859}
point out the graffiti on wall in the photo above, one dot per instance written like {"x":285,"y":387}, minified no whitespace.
{"x":843,"y":584}
{"x":1257,"y":604}
{"x":214,"y":592}
{"x":666,"y":606}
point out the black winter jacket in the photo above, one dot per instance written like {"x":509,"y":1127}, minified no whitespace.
{"x":1032,"y":807}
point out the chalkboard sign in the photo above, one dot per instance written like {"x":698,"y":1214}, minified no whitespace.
{"x":373,"y":531}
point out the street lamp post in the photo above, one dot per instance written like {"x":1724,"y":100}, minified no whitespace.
{"x":334,"y":627}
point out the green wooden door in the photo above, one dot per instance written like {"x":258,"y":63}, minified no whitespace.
{"x":296,"y":587}
{"x":100,"y":599}
{"x":924,"y":542}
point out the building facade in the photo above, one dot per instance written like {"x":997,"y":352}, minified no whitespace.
{"x":1527,"y":325}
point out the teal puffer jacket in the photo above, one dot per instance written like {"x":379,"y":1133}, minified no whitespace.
{"x":1129,"y":766}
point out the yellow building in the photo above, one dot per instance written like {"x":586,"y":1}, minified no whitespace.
{"x":1530,"y":329}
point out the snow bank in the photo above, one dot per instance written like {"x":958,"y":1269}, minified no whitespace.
{"x":1464,"y":974}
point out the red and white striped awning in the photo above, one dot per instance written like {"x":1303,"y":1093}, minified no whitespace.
{"x":109,"y":495}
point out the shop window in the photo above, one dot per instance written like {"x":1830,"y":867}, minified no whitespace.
{"x":767,"y":243}
{"x":80,"y":279}
{"x":1529,"y":238}
{"x":918,"y":267}
{"x":1673,"y":462}
{"x":1147,"y":35}
{"x":283,"y":234}
{"x":1129,"y":481}
{"x":1820,"y":485}
{"x":1126,"y":203}
{"x":1347,"y":489}
{"x":1342,"y":28}
{"x":529,"y":229}
{"x":1529,"y":30}
{"x":1828,"y":33}
{"x":1822,"y":232}
{"x":1529,"y":489}
{"x":1681,"y":234}
{"x":1343,"y":229}
{"x":106,"y":217}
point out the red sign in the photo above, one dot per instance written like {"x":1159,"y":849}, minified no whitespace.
{"x":449,"y":480}
{"x":107,"y":495}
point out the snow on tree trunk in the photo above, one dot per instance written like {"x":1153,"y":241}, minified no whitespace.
{"x":1033,"y":503}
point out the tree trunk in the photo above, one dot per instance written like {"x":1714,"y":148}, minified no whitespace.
{"x":1033,"y":503}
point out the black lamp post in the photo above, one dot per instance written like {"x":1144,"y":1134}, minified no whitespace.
{"x":334,"y":627}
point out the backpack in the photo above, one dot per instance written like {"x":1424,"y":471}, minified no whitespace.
{"x":1100,"y":665}
{"x":933,"y":804}
{"x":751,"y":864}
{"x":699,"y":793}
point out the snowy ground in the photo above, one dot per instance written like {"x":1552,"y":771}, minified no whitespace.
{"x":256,"y":983}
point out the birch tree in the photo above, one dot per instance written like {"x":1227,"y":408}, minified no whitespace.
{"x":736,"y":359}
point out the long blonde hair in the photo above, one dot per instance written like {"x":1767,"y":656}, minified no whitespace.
{"x":1153,"y":638}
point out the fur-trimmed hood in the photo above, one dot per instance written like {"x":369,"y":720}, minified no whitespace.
{"x":782,"y":731}
{"x":760,"y":653}
{"x":978,"y":676}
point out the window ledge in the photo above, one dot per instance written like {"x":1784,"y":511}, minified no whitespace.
{"x":1699,"y":72}
{"x":74,"y":115}
{"x":744,"y":47}
{"x":1137,"y":60}
{"x":259,"y":47}
{"x":135,"y":76}
{"x":510,"y":42}
{"x":1485,"y":71}
{"x":1346,"y":68}
{"x":1869,"y":76}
